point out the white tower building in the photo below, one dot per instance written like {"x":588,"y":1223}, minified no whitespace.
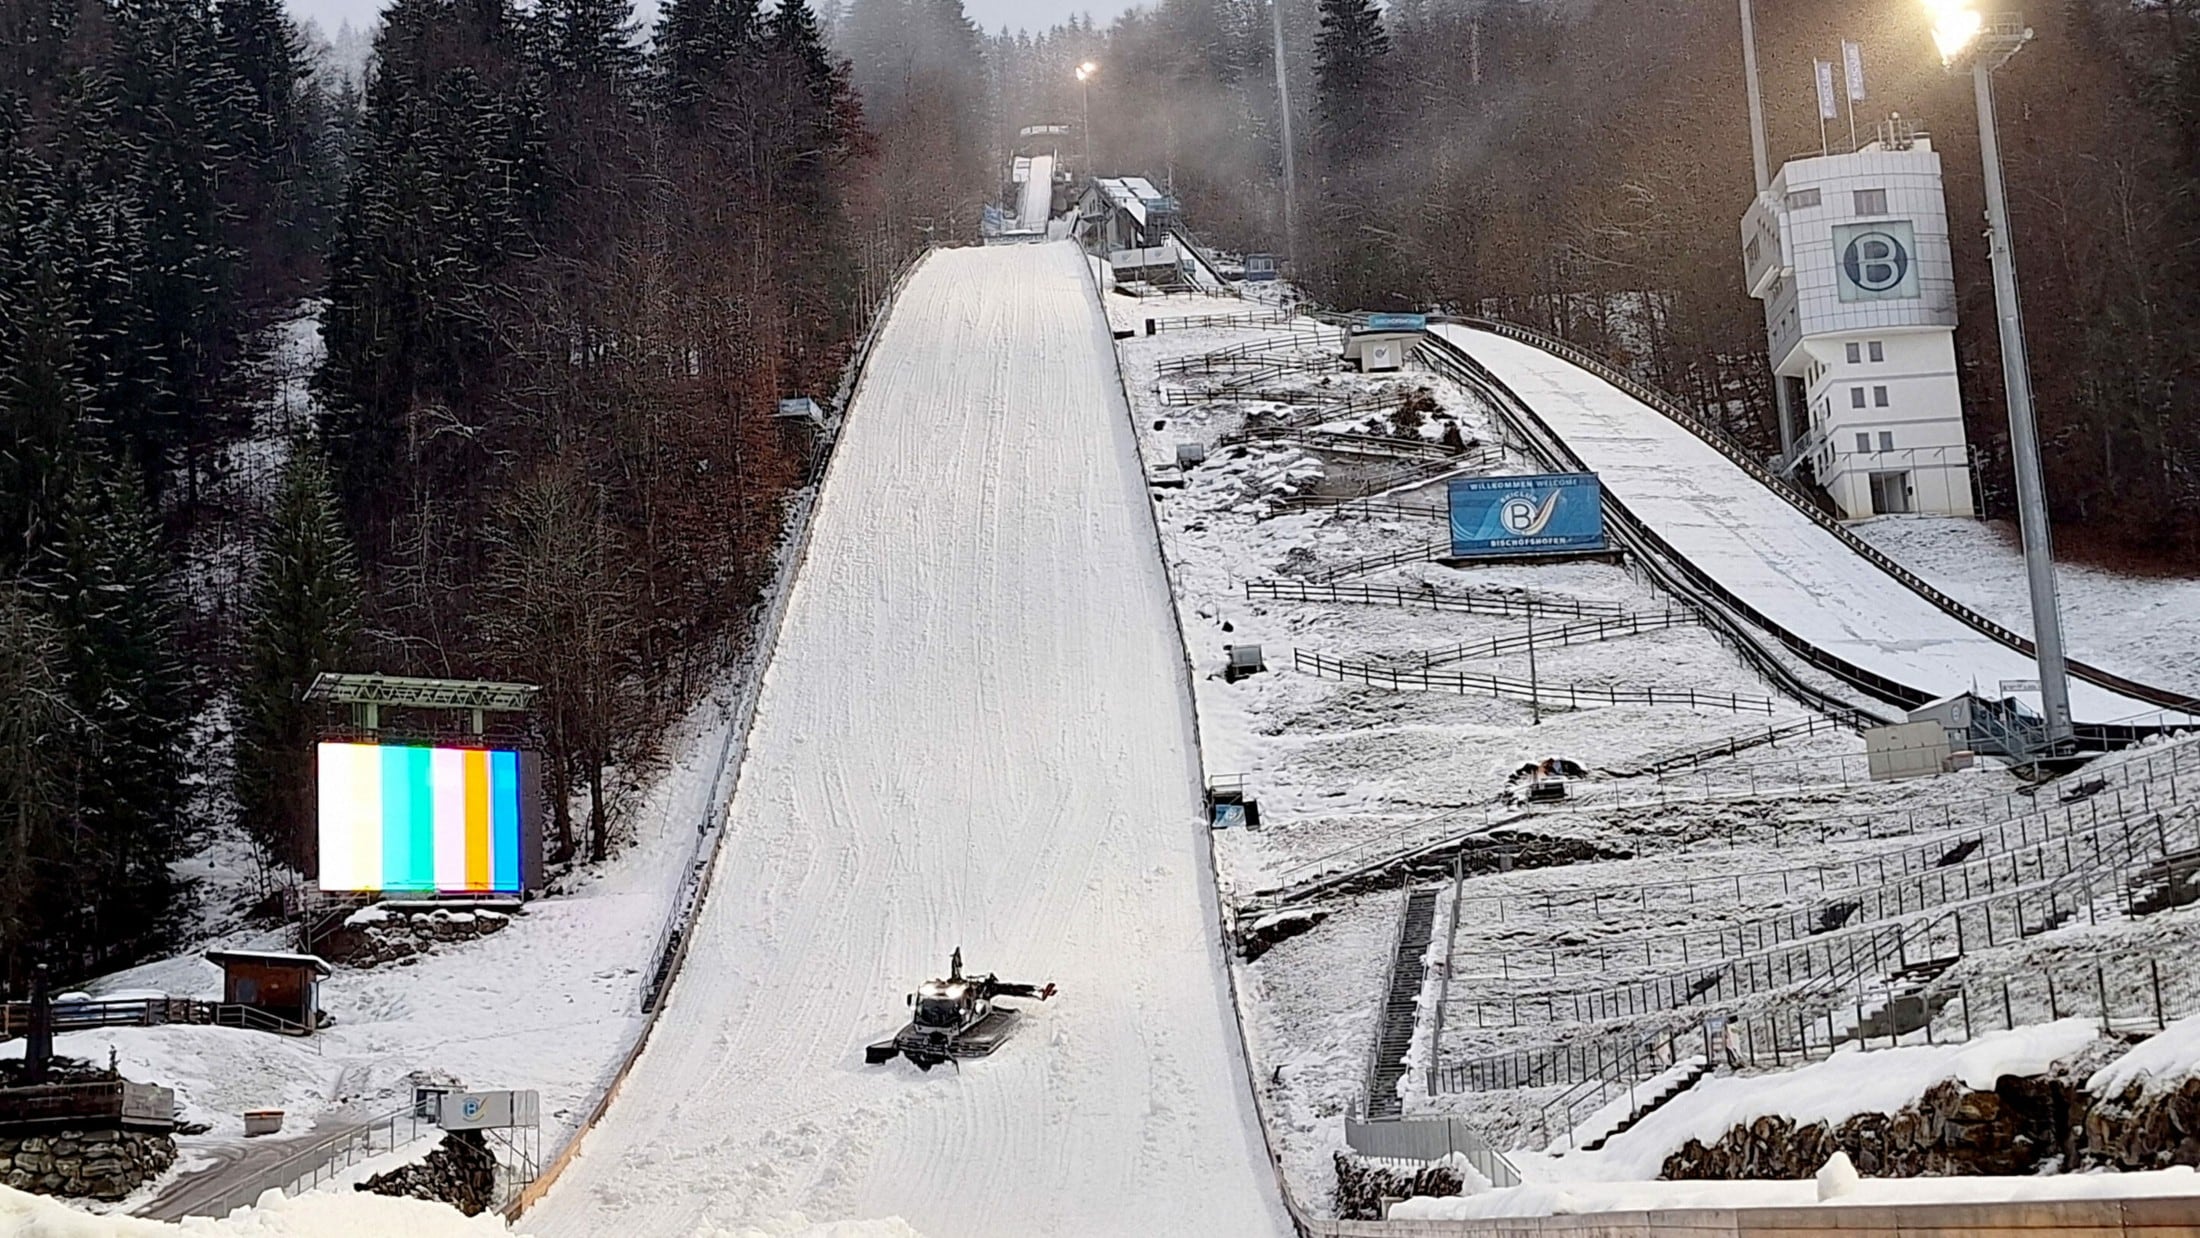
{"x":1850,"y":254}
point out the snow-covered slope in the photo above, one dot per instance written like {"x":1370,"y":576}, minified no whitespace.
{"x":975,"y":732}
{"x":1755,"y":543}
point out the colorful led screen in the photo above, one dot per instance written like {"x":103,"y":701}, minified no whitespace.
{"x":450,"y":820}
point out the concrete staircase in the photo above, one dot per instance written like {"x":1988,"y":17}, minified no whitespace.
{"x":1401,"y":1008}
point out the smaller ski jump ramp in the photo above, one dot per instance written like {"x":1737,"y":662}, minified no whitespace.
{"x":1756,"y":544}
{"x":975,"y":731}
{"x":1037,"y":204}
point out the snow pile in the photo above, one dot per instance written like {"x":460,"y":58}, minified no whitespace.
{"x":307,"y":1216}
{"x":1832,"y":1091}
{"x":1576,"y":1198}
{"x":352,"y":1216}
{"x":2161,"y":1062}
{"x":1838,"y":1178}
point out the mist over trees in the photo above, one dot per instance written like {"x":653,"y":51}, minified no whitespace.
{"x":1582,"y":166}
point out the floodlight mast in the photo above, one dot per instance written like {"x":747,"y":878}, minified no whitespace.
{"x":1967,"y":40}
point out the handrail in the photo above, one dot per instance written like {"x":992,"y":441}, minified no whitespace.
{"x":1868,"y":903}
{"x":1569,"y":696}
{"x":1711,"y":436}
{"x":1506,"y":605}
{"x":1589,"y":631}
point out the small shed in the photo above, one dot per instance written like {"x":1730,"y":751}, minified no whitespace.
{"x":1383,"y":343}
{"x":287,"y":986}
{"x":801,"y":408}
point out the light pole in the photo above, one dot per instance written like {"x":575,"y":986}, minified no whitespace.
{"x":1968,"y":40}
{"x":1085,"y":74}
{"x":1290,"y":153}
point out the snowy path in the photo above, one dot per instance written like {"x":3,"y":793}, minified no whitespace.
{"x":1756,"y":544}
{"x":975,"y":732}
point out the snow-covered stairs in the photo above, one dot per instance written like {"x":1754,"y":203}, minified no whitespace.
{"x":1670,"y":1085}
{"x":1394,"y":1034}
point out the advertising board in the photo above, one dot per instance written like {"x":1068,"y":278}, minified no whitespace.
{"x":1552,"y":513}
{"x":396,"y":818}
{"x":1396,"y":322}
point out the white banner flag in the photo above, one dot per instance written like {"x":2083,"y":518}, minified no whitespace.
{"x":1852,"y":60}
{"x":1829,"y":108}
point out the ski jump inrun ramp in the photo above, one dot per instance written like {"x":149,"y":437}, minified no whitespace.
{"x":975,"y":731}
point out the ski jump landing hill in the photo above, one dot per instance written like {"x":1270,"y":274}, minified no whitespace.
{"x":976,"y":730}
{"x":1766,"y":551}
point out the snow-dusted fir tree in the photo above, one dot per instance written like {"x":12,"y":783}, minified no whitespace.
{"x":1352,"y":156}
{"x":305,"y":617}
{"x":103,"y":578}
{"x":39,"y":745}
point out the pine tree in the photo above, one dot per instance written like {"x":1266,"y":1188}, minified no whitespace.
{"x":103,"y":578}
{"x":272,"y":203}
{"x":591,"y":43}
{"x":39,"y":743}
{"x":305,"y":619}
{"x":1350,"y":155}
{"x":697,"y":41}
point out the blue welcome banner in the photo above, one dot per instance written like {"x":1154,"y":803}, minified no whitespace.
{"x":1552,"y":513}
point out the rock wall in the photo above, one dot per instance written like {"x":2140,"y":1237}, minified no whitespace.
{"x":2023,"y":1125}
{"x":84,"y":1164}
{"x":461,"y":1173}
{"x":1363,"y":1185}
{"x":380,"y":938}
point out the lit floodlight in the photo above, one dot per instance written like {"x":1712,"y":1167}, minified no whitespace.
{"x":1086,"y":70}
{"x":1956,"y":26}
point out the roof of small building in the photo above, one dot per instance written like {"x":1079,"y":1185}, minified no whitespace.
{"x":269,"y":958}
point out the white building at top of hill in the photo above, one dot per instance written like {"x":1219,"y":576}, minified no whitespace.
{"x":1851,"y":256}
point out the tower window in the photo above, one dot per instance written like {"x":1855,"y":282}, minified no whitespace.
{"x":1879,"y":351}
{"x":1879,"y":397}
{"x":1871,"y":201}
{"x":1856,"y":353}
{"x":1863,"y":441}
{"x":1856,"y":397}
{"x":1886,"y":440}
{"x":1802,"y":199}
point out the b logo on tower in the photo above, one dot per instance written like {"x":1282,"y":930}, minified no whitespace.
{"x":1877,"y":261}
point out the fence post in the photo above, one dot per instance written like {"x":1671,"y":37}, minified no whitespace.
{"x":2100,"y":986}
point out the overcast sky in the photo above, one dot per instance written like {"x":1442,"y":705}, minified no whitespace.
{"x":990,"y":15}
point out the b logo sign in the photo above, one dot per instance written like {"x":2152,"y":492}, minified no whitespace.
{"x":1523,"y":518}
{"x":1878,"y":261}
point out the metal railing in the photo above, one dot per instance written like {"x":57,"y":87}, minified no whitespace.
{"x":1833,"y":959}
{"x":1552,"y":696}
{"x":1586,"y":632}
{"x":1839,"y":908}
{"x":1688,"y":758}
{"x":1209,"y":322}
{"x":1958,"y":831}
{"x":1428,"y":1139}
{"x":1346,"y":442}
{"x":1507,"y":605}
{"x":319,"y":1161}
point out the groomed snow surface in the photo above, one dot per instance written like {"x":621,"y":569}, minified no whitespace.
{"x":1757,"y":544}
{"x":349,"y":1216}
{"x":975,"y":733}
